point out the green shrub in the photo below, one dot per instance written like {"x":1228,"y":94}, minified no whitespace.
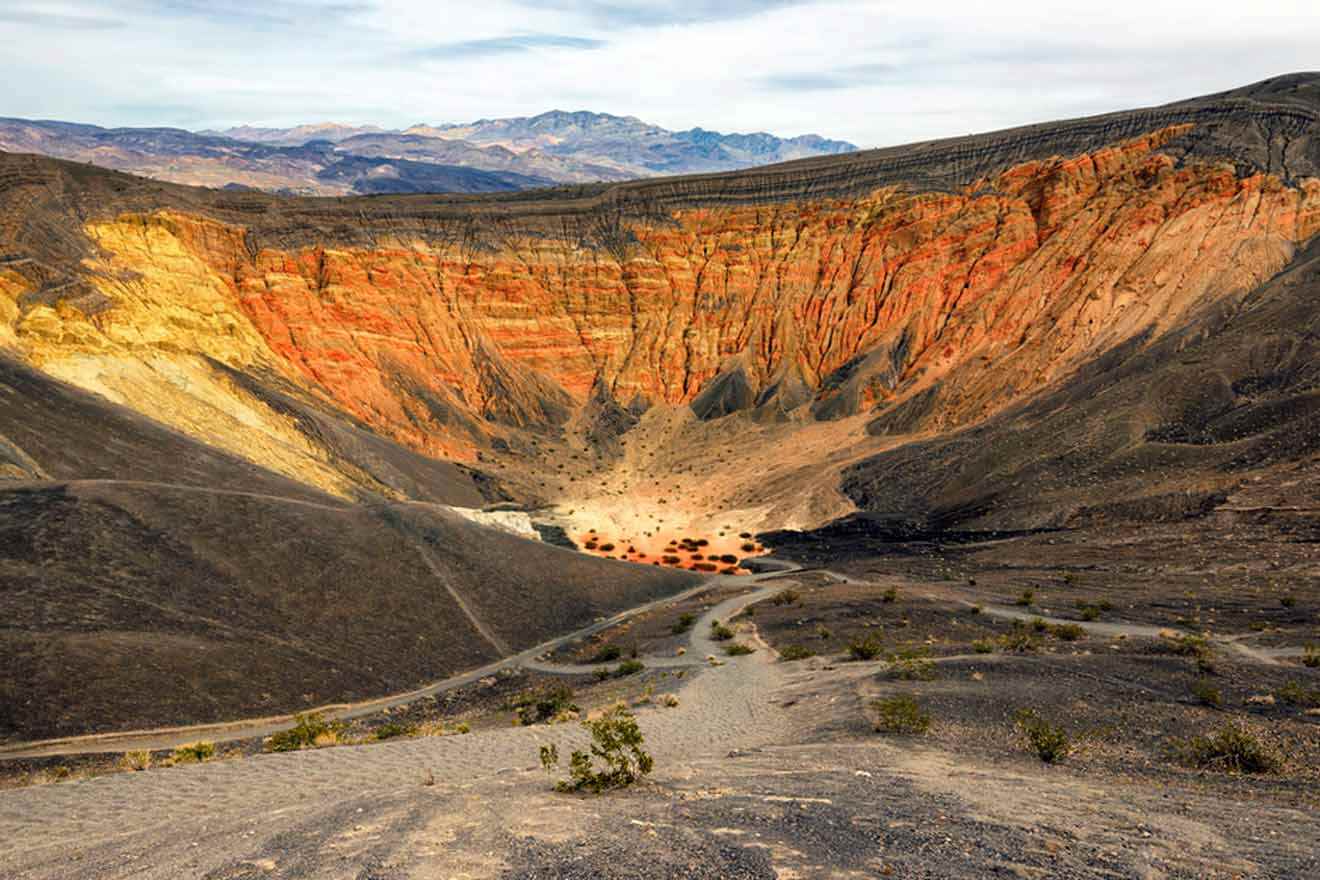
{"x":1295,"y":694}
{"x":823,"y":632}
{"x":1039,"y":625}
{"x":975,"y":609}
{"x":738,"y":649}
{"x":194,"y":753}
{"x":1207,"y":694}
{"x":719,"y":632}
{"x":393,"y":729}
{"x":308,"y":731}
{"x":983,"y":646}
{"x":628,"y":667}
{"x":683,"y":624}
{"x":863,"y":649}
{"x":543,"y":704}
{"x":1068,"y":632}
{"x":913,"y":664}
{"x":1050,"y":742}
{"x":1311,"y":656}
{"x":1027,"y":599}
{"x":1088,"y":612}
{"x":136,"y":760}
{"x":1019,"y":641}
{"x":606,"y":654}
{"x":786,"y":597}
{"x":901,"y":714}
{"x":889,"y":595}
{"x":616,"y":741}
{"x":1233,"y":748}
{"x":795,"y":652}
{"x":1288,"y":601}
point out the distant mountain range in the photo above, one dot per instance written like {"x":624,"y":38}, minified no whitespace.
{"x":486,"y":155}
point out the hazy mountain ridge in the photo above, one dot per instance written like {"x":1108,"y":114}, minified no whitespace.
{"x":489,"y":155}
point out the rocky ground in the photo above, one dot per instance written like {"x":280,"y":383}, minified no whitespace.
{"x":764,"y":768}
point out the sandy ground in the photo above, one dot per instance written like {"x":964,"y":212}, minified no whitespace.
{"x":764,"y":770}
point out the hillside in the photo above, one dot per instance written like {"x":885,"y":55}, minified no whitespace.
{"x":1100,"y":320}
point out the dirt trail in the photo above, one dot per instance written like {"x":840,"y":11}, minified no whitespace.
{"x":721,"y":708}
{"x":246,"y":728}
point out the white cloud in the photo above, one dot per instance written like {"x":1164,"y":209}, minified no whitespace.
{"x":871,"y":72}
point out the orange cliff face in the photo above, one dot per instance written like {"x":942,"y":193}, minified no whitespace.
{"x":988,"y":293}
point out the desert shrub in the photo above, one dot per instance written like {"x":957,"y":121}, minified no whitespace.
{"x":728,"y":559}
{"x":901,"y":714}
{"x":786,"y":597}
{"x":912,"y":665}
{"x":194,"y":753}
{"x":823,"y":632}
{"x":1207,"y":694}
{"x":1288,"y":601}
{"x":616,"y":742}
{"x":1295,"y":694}
{"x":795,"y":652}
{"x":627,"y":668}
{"x":543,"y":704}
{"x":1069,"y":632}
{"x":136,"y":760}
{"x":889,"y":595}
{"x":669,"y":701}
{"x":975,"y":609}
{"x":1039,"y":625}
{"x":393,"y":730}
{"x":747,"y":548}
{"x":738,"y":649}
{"x":606,"y":548}
{"x":1088,"y":612}
{"x":983,"y":646}
{"x":719,"y":632}
{"x":606,"y":654}
{"x":1019,"y":641}
{"x":1233,"y":748}
{"x":1198,"y":648}
{"x":1050,"y":742}
{"x":308,"y":731}
{"x":683,"y":624}
{"x":1311,"y":656}
{"x":1027,"y":599}
{"x":863,"y":649}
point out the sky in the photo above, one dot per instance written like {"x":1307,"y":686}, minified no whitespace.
{"x":871,"y":72}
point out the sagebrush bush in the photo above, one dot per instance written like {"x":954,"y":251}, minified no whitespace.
{"x":889,"y":595}
{"x":795,"y":652}
{"x":863,"y":649}
{"x":1027,"y":599}
{"x":1207,"y":694}
{"x":719,"y":632}
{"x":543,"y":704}
{"x":194,"y":753}
{"x":606,"y":654}
{"x":308,"y":731}
{"x":628,"y":667}
{"x":1050,"y":742}
{"x":136,"y":760}
{"x":738,"y":649}
{"x":1311,"y":656}
{"x":1068,"y":632}
{"x":1295,"y":694}
{"x":1233,"y":748}
{"x":617,"y":742}
{"x":983,"y":646}
{"x":786,"y":597}
{"x":394,"y":730}
{"x":913,"y":664}
{"x":901,"y":714}
{"x":683,"y":624}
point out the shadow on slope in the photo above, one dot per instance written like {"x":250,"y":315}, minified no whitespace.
{"x":180,"y":584}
